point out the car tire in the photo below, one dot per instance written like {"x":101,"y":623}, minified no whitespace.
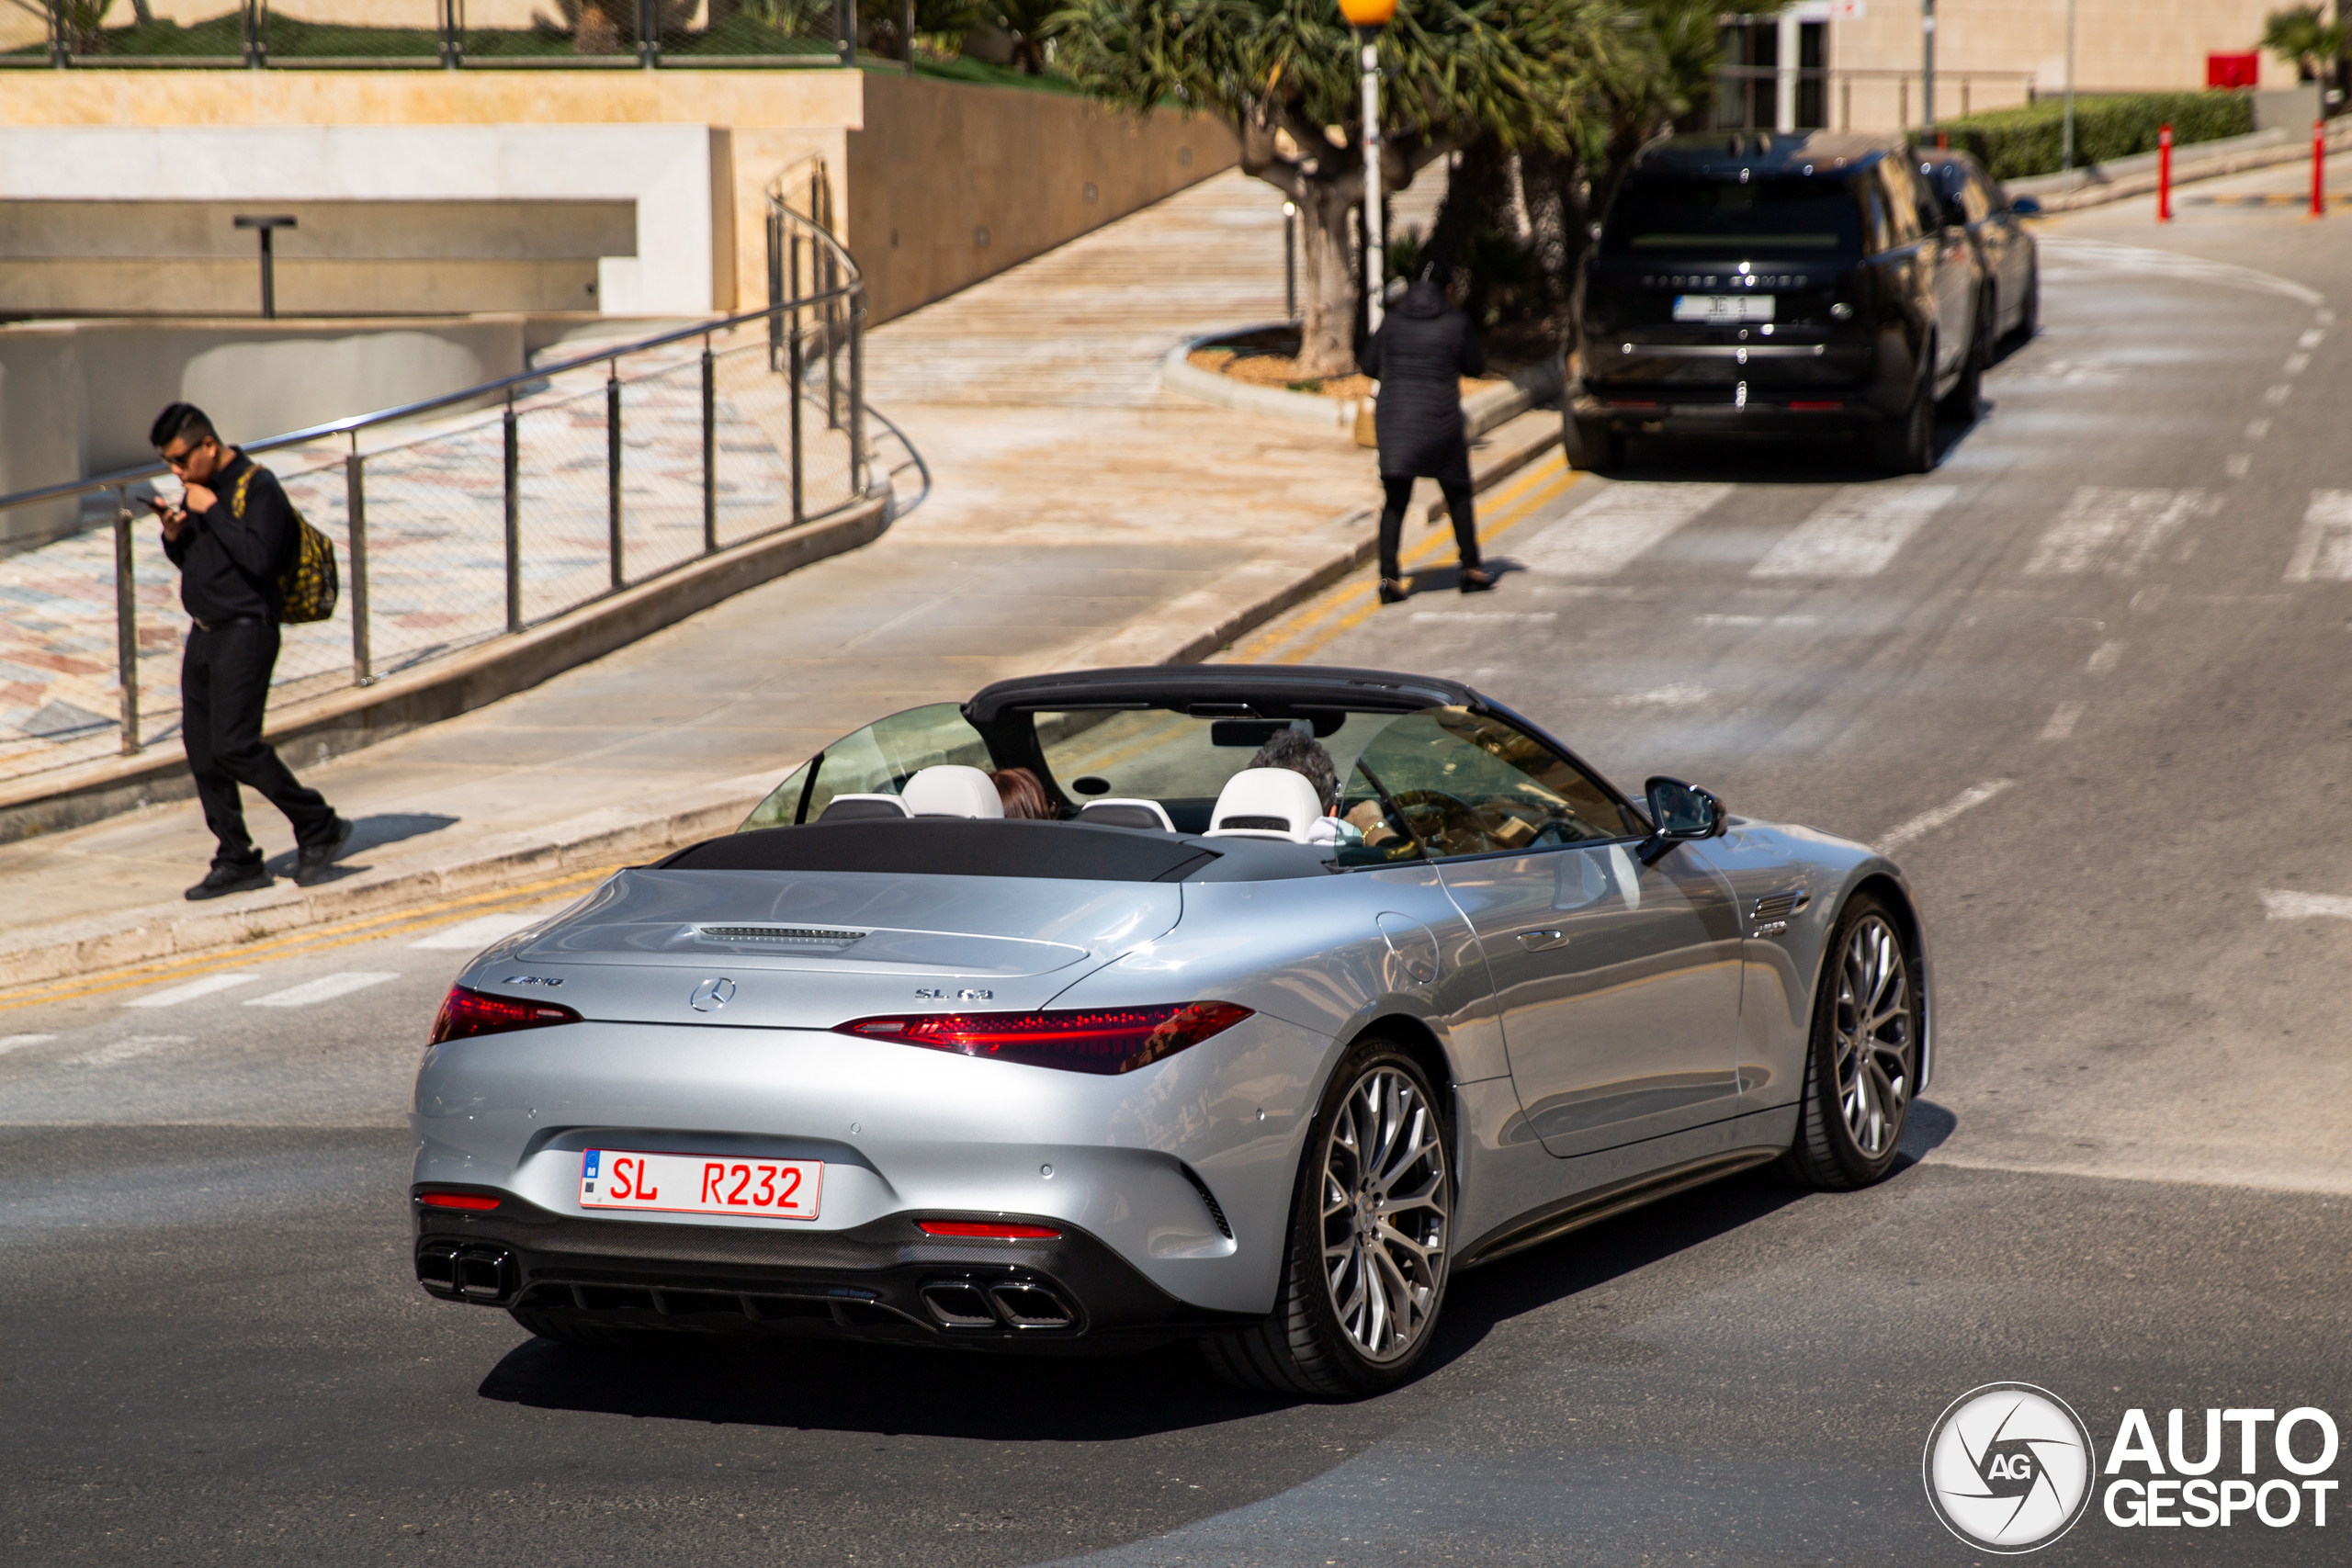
{"x":1602,"y":447}
{"x":2030,"y":313}
{"x":1961,"y":403}
{"x":1348,"y":1265}
{"x":1862,"y":1062}
{"x":1906,"y":444}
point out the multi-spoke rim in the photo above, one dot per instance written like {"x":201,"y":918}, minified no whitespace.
{"x":1384,"y":1213}
{"x":1875,"y":1050}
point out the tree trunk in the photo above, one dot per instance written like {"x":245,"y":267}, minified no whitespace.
{"x":1327,"y":337}
{"x":1478,"y":196}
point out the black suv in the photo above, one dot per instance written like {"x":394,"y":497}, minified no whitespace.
{"x":1779,"y":284}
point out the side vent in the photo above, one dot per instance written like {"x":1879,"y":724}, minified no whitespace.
{"x":1216,"y":1212}
{"x":1780,"y":905}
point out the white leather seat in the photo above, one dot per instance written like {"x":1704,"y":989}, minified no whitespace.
{"x":864,"y":808}
{"x":1147,"y":815}
{"x":1265,"y":803}
{"x":952,"y":790}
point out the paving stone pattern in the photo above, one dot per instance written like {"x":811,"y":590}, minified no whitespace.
{"x":435,"y":543}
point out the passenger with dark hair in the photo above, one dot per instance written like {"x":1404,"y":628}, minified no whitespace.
{"x":1303,"y":755}
{"x":234,"y":536}
{"x":1023,"y":795}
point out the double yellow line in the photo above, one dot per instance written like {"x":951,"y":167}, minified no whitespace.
{"x":318,"y":939}
{"x":1300,"y":636}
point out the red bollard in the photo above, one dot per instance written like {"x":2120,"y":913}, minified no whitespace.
{"x":2319,"y":168}
{"x":2163,"y":175}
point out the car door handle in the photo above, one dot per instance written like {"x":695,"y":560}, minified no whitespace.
{"x":1538,"y":942}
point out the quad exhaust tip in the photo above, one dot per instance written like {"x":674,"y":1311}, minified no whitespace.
{"x":1020,"y":1304}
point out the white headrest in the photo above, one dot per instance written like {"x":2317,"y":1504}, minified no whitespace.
{"x":1265,"y":803}
{"x":952,"y":790}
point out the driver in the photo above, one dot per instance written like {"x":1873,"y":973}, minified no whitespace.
{"x":1297,"y":750}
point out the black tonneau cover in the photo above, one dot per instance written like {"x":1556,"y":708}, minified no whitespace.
{"x":943,"y":846}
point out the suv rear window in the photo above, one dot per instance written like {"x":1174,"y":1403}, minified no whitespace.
{"x":1688,"y":215}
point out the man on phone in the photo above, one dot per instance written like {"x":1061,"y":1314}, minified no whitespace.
{"x":233,"y":535}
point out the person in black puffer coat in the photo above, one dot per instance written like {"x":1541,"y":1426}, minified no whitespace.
{"x":1418,"y":355}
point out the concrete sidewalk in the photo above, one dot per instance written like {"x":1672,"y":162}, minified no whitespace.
{"x":1080,"y":517}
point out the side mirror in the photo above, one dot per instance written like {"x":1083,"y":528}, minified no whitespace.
{"x":2025,"y":206}
{"x":1682,"y":812}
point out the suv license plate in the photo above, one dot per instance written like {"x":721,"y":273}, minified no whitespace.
{"x":700,"y":1184}
{"x":1723,"y":307}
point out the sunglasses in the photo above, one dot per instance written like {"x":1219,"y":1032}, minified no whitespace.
{"x":184,"y":459}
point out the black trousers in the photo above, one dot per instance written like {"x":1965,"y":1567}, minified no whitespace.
{"x":1458,"y":502}
{"x":225,"y":686}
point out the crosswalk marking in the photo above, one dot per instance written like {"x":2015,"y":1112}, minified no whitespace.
{"x":325,"y":988}
{"x":1857,"y":532}
{"x":125,"y":1049}
{"x":206,"y":987}
{"x":2280,"y":905}
{"x":481,"y":931}
{"x":1601,"y":537}
{"x":2109,"y":530}
{"x":2324,"y":551}
{"x":19,"y":1042}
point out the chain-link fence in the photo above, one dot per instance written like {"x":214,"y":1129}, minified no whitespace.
{"x":425,"y":33}
{"x":453,"y":529}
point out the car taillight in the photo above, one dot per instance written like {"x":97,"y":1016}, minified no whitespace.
{"x":474,"y":1202}
{"x":465,"y":1013}
{"x":1095,"y":1039}
{"x":1000,"y":1230}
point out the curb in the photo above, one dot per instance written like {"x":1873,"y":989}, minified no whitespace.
{"x":2097,"y":185}
{"x":1481,"y":411}
{"x":310,"y":732}
{"x":1185,"y":631}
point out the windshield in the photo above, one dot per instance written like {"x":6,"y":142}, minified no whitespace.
{"x":1436,"y":783}
{"x":1690,"y":215}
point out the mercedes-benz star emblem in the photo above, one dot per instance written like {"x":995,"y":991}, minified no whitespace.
{"x":712,"y":995}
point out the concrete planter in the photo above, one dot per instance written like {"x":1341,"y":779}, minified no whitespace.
{"x":1481,"y":411}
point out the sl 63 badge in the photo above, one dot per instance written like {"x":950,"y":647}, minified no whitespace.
{"x":935,"y":994}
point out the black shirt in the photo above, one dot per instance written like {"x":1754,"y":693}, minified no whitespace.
{"x":229,"y":566}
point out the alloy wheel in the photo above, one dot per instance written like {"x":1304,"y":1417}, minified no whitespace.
{"x":1385,"y":1214}
{"x":1874,"y":1049}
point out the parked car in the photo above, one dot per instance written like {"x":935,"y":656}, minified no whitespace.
{"x":1219,"y":1052}
{"x":1778,"y":284}
{"x":2006,"y":252}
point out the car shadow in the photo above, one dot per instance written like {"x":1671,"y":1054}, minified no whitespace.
{"x":1761,"y":460}
{"x":892,"y":1389}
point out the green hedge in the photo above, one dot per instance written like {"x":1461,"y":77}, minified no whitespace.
{"x":2014,"y":144}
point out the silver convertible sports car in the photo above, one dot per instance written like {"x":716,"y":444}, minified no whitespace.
{"x":1244,"y":1005}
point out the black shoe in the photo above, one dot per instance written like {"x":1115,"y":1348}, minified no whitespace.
{"x":1393,"y":591}
{"x":315,"y":863}
{"x":229,"y":876}
{"x":1475,"y":582}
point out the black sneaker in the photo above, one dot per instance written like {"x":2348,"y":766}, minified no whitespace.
{"x":229,"y":876}
{"x":315,"y":863}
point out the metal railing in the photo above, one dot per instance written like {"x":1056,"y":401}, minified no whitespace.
{"x":1745,"y":94}
{"x":434,"y":34}
{"x":458,"y":526}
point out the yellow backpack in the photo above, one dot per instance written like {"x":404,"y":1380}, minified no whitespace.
{"x":307,"y":590}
